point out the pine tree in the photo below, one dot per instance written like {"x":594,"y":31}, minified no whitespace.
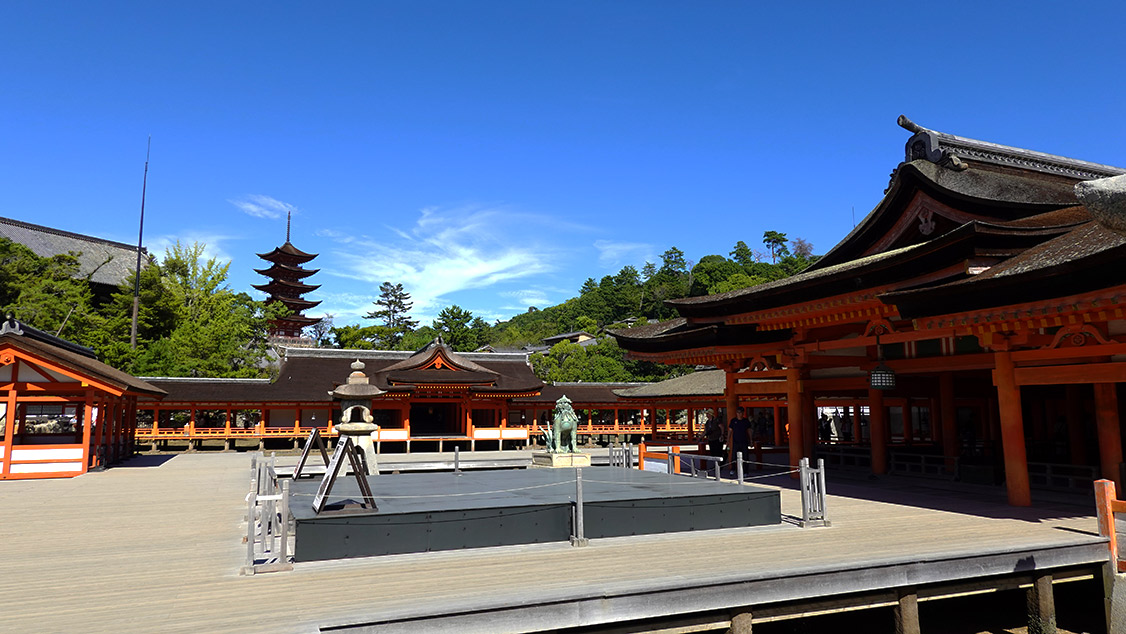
{"x":394,"y":310}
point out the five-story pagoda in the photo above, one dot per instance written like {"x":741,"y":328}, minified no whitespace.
{"x":286,"y":286}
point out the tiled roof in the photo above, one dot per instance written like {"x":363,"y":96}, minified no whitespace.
{"x":77,"y":360}
{"x":309,"y":374}
{"x":699,"y":383}
{"x":104,"y":261}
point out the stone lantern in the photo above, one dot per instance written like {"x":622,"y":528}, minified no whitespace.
{"x":355,"y":417}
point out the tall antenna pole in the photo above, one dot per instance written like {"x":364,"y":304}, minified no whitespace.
{"x":140,"y":238}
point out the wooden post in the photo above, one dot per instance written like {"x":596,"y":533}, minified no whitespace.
{"x":949,"y":422}
{"x":878,"y":431}
{"x":1074,"y":412}
{"x":857,"y":428}
{"x":778,"y":427}
{"x":1012,"y":430}
{"x":741,"y":623}
{"x":794,"y":414}
{"x":811,"y":422}
{"x":730,"y":398}
{"x":907,"y":612}
{"x":1105,"y":495}
{"x":1110,"y":436}
{"x":1041,"y":605}
{"x":9,"y":423}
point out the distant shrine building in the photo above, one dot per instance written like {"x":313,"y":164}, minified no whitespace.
{"x":970,"y":326}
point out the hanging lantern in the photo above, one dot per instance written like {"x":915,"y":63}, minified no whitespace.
{"x":881,"y":377}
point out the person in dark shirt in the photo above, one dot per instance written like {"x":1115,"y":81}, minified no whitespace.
{"x":740,"y":435}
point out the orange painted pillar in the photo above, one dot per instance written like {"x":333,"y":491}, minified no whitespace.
{"x":794,"y":414}
{"x":878,"y":431}
{"x":810,"y":431}
{"x":857,"y":428}
{"x":948,"y":418}
{"x":1012,"y":430}
{"x":778,"y":427}
{"x":1110,"y":435}
{"x":730,"y":398}
{"x":1074,"y":412}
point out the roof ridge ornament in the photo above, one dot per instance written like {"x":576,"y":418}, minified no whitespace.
{"x":924,"y":144}
{"x":10,"y":325}
{"x":1105,"y":198}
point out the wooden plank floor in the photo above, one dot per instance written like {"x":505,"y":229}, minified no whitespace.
{"x":157,"y":549}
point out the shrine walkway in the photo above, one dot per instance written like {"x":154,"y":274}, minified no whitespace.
{"x":155,"y":546}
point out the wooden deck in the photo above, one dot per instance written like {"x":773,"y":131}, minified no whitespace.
{"x":157,"y":549}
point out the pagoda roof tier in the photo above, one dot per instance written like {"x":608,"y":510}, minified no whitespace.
{"x":293,"y":303}
{"x":298,"y":319}
{"x":278,"y":270}
{"x":285,"y":288}
{"x":287,"y":254}
{"x":310,"y":374}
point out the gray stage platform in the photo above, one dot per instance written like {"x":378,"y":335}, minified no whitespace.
{"x":443,"y":511}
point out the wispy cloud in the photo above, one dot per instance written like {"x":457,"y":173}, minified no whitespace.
{"x":525,"y":298}
{"x":213,"y":244}
{"x":612,"y":254}
{"x":261,"y":206}
{"x":449,"y":250}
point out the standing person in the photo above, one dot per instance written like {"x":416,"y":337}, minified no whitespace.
{"x":739,"y":438}
{"x":713,"y":433}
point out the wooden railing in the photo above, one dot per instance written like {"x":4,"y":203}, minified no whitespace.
{"x":923,"y":465}
{"x":1060,"y":477}
{"x":1107,"y":504}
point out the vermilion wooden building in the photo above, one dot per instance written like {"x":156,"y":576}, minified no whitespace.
{"x":995,"y":297}
{"x":434,"y":396}
{"x":62,"y":411}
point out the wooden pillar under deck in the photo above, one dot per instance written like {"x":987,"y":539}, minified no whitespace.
{"x":1110,"y":434}
{"x":779,"y":429}
{"x":878,"y":431}
{"x":949,"y":418}
{"x":1041,"y":605}
{"x":794,"y":414}
{"x":907,"y":612}
{"x":1012,"y":430}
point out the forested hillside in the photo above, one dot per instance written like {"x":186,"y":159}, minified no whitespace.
{"x":191,"y":323}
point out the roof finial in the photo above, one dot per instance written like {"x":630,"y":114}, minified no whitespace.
{"x":288,"y":219}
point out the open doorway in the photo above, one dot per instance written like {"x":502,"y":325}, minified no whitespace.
{"x":435,"y":419}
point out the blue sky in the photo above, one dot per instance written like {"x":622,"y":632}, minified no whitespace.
{"x":496,"y":154}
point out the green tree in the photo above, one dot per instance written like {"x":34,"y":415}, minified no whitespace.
{"x":394,"y":306}
{"x":776,"y":242}
{"x":742,"y":253}
{"x":712,"y":271}
{"x":46,"y":293}
{"x":355,"y":337}
{"x":453,"y":324}
{"x":218,"y":332}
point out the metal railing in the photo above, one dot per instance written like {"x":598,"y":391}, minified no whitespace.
{"x":267,"y":518}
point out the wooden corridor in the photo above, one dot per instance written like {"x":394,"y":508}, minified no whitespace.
{"x":157,"y":549}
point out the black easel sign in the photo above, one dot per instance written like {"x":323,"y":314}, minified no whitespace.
{"x":344,"y":448}
{"x":314,"y":437}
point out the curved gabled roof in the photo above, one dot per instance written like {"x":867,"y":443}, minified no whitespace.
{"x":287,"y":253}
